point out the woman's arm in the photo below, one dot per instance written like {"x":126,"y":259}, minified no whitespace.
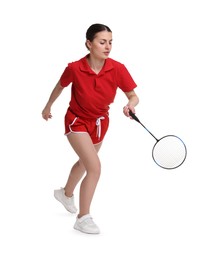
{"x":133,"y":100}
{"x":46,"y":113}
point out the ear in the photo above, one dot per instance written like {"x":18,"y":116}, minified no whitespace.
{"x":88,"y":44}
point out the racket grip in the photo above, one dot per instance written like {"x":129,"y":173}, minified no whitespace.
{"x":134,"y":116}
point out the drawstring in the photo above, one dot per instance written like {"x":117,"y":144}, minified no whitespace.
{"x":98,"y":123}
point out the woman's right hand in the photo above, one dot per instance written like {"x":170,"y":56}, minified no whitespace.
{"x":46,"y":113}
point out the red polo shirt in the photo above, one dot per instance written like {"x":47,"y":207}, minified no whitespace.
{"x":92,"y":93}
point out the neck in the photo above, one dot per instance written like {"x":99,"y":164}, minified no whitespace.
{"x":95,"y":64}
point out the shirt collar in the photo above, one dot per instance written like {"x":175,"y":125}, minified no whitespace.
{"x":84,"y":66}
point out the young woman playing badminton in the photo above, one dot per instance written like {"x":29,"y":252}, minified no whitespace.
{"x":95,"y":79}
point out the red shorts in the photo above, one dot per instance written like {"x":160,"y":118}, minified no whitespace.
{"x":96,"y":128}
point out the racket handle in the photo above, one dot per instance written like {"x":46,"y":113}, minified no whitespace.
{"x":134,"y":116}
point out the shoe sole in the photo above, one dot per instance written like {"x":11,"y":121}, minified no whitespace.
{"x":91,"y":233}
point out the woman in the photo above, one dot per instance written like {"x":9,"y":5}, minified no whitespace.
{"x":95,"y":79}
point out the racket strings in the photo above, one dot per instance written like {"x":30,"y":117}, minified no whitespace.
{"x":169,"y":152}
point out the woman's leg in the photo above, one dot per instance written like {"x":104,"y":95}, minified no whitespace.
{"x":76,"y":174}
{"x":89,"y":162}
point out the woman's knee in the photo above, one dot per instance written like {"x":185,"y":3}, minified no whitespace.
{"x":94,"y":168}
{"x":80,"y":164}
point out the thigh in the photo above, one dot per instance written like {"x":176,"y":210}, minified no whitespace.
{"x":85,"y":149}
{"x":97,"y":146}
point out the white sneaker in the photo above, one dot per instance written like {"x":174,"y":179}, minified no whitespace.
{"x":67,"y":202}
{"x":86,"y":224}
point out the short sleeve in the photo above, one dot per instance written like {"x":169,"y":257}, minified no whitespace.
{"x":67,"y":76}
{"x":124,"y":80}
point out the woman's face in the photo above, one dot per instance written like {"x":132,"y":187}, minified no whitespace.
{"x":101,"y":46}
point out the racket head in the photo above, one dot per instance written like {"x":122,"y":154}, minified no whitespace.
{"x":169,"y":152}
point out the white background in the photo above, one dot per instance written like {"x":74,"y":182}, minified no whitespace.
{"x":144,"y":212}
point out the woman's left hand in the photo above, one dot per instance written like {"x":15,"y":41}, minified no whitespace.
{"x":126,"y":110}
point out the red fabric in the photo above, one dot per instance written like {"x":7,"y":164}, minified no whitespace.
{"x":92,"y":93}
{"x":80,"y":125}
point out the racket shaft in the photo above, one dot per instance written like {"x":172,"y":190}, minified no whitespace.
{"x":137,"y":119}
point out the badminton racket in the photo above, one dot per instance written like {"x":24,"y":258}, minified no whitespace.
{"x":169,"y":152}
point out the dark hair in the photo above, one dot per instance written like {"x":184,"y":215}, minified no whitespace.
{"x":94,"y":29}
